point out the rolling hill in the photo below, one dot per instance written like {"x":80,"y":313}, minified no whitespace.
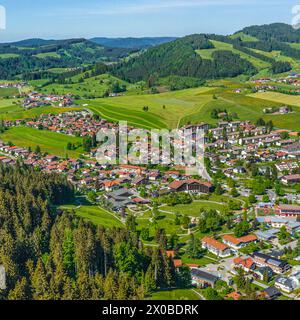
{"x":131,"y":43}
{"x":33,"y":55}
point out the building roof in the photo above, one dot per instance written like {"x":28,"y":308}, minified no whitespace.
{"x":238,"y":241}
{"x":215,"y":243}
{"x":177,"y":184}
{"x":234,"y":295}
{"x":204,"y":275}
{"x":245,"y":262}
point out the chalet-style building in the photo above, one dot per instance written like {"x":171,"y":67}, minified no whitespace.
{"x":247,"y":264}
{"x":238,"y":243}
{"x":216,"y":247}
{"x":290,"y":179}
{"x":193,"y":185}
{"x":287,"y":210}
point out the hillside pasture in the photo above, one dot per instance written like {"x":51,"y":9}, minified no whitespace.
{"x":50,"y":142}
{"x":165,"y":110}
{"x":207,"y":54}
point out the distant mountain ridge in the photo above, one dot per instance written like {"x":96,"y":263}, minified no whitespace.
{"x":132,"y":43}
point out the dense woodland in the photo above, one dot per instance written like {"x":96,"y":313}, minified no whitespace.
{"x":50,"y":254}
{"x":180,"y":58}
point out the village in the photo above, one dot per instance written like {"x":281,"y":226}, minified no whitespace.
{"x":235,"y":152}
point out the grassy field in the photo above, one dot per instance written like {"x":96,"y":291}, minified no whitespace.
{"x":207,"y":54}
{"x":278,"y":97}
{"x":94,"y":87}
{"x":244,"y":37}
{"x":165,"y":109}
{"x":51,"y":142}
{"x":8,"y":55}
{"x":193,"y":209}
{"x":11,"y":111}
{"x":278,"y":56}
{"x":47,"y":55}
{"x":96,"y":215}
{"x":8,"y":92}
{"x":176,"y":294}
{"x":165,"y":221}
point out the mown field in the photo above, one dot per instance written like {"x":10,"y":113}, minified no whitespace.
{"x":11,"y":110}
{"x":96,"y":215}
{"x":50,"y":142}
{"x":176,"y":294}
{"x":194,"y":209}
{"x":278,"y":97}
{"x":165,"y":110}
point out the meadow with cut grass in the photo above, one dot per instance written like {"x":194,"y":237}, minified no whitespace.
{"x":96,"y":215}
{"x":165,"y":110}
{"x":49,"y":142}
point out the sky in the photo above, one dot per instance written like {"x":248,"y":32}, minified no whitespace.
{"x":61,"y":19}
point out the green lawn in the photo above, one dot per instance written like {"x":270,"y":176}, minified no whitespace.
{"x":201,"y":261}
{"x":193,"y":209}
{"x":176,"y":294}
{"x":165,"y":221}
{"x":51,"y":142}
{"x":96,"y":215}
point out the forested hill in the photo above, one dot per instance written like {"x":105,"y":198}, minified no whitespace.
{"x":209,"y":56}
{"x":132,"y":43}
{"x":32,"y":55}
{"x":276,"y":31}
{"x":180,"y":58}
{"x":53,"y":255}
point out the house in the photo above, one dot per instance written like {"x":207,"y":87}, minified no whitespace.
{"x":271,"y":293}
{"x":247,"y":264}
{"x":193,"y":185}
{"x":287,"y":210}
{"x":239,"y":170}
{"x":216,"y":247}
{"x":203,"y":279}
{"x":139,"y":181}
{"x":267,"y":235}
{"x":262,"y":272}
{"x":285,"y":284}
{"x":264,"y":260}
{"x":119,"y":199}
{"x":238,"y":243}
{"x":234,"y":295}
{"x":295,"y":277}
{"x":290,"y":179}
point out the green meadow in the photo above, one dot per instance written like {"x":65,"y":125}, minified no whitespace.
{"x":47,"y":55}
{"x":207,"y":54}
{"x":176,"y":294}
{"x":96,"y":215}
{"x":165,"y":110}
{"x":8,"y":55}
{"x":90,"y":87}
{"x":50,"y":142}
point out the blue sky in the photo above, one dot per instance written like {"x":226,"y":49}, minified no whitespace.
{"x":121,"y":18}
